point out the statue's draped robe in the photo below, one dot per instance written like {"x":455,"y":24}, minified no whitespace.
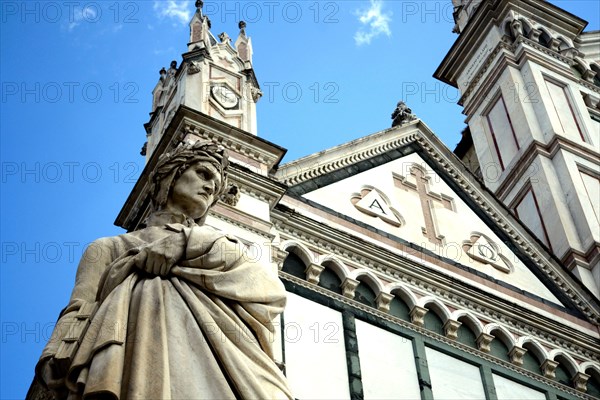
{"x":203,"y":332}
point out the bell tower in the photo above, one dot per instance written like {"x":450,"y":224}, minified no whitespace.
{"x":211,"y":95}
{"x":215,"y":78}
{"x":529,"y":85}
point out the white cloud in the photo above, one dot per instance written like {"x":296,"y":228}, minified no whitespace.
{"x":87,"y":14}
{"x":177,"y":10}
{"x":374,"y":22}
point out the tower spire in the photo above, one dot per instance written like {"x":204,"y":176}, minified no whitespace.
{"x":243,"y":44}
{"x":214,"y":78}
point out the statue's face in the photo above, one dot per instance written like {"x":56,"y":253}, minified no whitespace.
{"x":195,"y":190}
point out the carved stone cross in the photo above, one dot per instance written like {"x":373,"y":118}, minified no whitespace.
{"x":427,"y":198}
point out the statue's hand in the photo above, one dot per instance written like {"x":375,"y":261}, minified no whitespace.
{"x":53,"y":378}
{"x":159,"y":257}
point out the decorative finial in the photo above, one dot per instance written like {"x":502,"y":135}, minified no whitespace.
{"x":402,"y":114}
{"x":174,"y":64}
{"x":163,"y":73}
{"x":199,"y":4}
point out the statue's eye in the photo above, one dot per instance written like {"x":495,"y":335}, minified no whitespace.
{"x":204,"y":174}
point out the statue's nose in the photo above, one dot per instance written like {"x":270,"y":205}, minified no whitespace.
{"x":209,"y":187}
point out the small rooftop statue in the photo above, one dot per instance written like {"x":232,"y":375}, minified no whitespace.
{"x":224,"y":37}
{"x":242,"y":25}
{"x":402,"y":114}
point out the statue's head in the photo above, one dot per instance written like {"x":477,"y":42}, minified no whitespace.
{"x":190,"y":179}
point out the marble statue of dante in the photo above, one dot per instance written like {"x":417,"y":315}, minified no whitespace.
{"x":173,"y":310}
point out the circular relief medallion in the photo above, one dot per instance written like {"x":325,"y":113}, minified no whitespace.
{"x":224,"y":96}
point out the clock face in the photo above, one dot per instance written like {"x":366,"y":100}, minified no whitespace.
{"x":224,"y":96}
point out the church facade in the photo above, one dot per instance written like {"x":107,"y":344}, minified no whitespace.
{"x":412,"y":271}
{"x":411,"y":274}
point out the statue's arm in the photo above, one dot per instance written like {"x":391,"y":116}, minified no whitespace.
{"x":158,"y":257}
{"x":56,"y":356}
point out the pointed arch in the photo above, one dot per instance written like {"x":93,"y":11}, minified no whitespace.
{"x":369,"y":278}
{"x":532,"y":345}
{"x":566,"y":42}
{"x":565,"y":360}
{"x":469,"y":320}
{"x":402,"y":292}
{"x":589,"y":366}
{"x":435,"y":305}
{"x":292,"y":246}
{"x":527,"y":26}
{"x":333,"y":263}
{"x":545,"y":37}
{"x":500,"y":333}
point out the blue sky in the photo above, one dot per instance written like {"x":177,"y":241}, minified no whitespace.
{"x":76,"y":89}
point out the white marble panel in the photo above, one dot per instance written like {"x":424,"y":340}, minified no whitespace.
{"x":507,"y":389}
{"x":452,"y":378}
{"x":315,"y":354}
{"x":387,"y":364}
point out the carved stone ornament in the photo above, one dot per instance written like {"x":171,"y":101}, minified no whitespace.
{"x":516,"y":27}
{"x":194,"y":67}
{"x":534,"y":34}
{"x":224,"y":37}
{"x":516,"y":355}
{"x":417,"y":315}
{"x":313,"y":273}
{"x":483,"y":342}
{"x":231,"y":196}
{"x":278,"y":256}
{"x":548,"y":368}
{"x":256,"y":93}
{"x":348,"y":287}
{"x":580,"y":381}
{"x":372,"y":202}
{"x":483,"y":249}
{"x":451,"y":329}
{"x":383,"y":301}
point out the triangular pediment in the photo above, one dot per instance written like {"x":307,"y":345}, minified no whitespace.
{"x":405,"y":185}
{"x":407,"y":199}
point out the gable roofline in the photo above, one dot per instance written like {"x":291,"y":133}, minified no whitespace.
{"x":340,"y":162}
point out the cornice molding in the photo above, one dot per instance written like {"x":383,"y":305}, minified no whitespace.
{"x":493,"y":13}
{"x":537,"y":148}
{"x":242,"y":220}
{"x":313,"y":166}
{"x":421,"y":280}
{"x":233,"y":139}
{"x":515,"y":55}
{"x":256,"y":185}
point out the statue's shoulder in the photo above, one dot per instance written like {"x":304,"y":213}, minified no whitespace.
{"x":113,"y":246}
